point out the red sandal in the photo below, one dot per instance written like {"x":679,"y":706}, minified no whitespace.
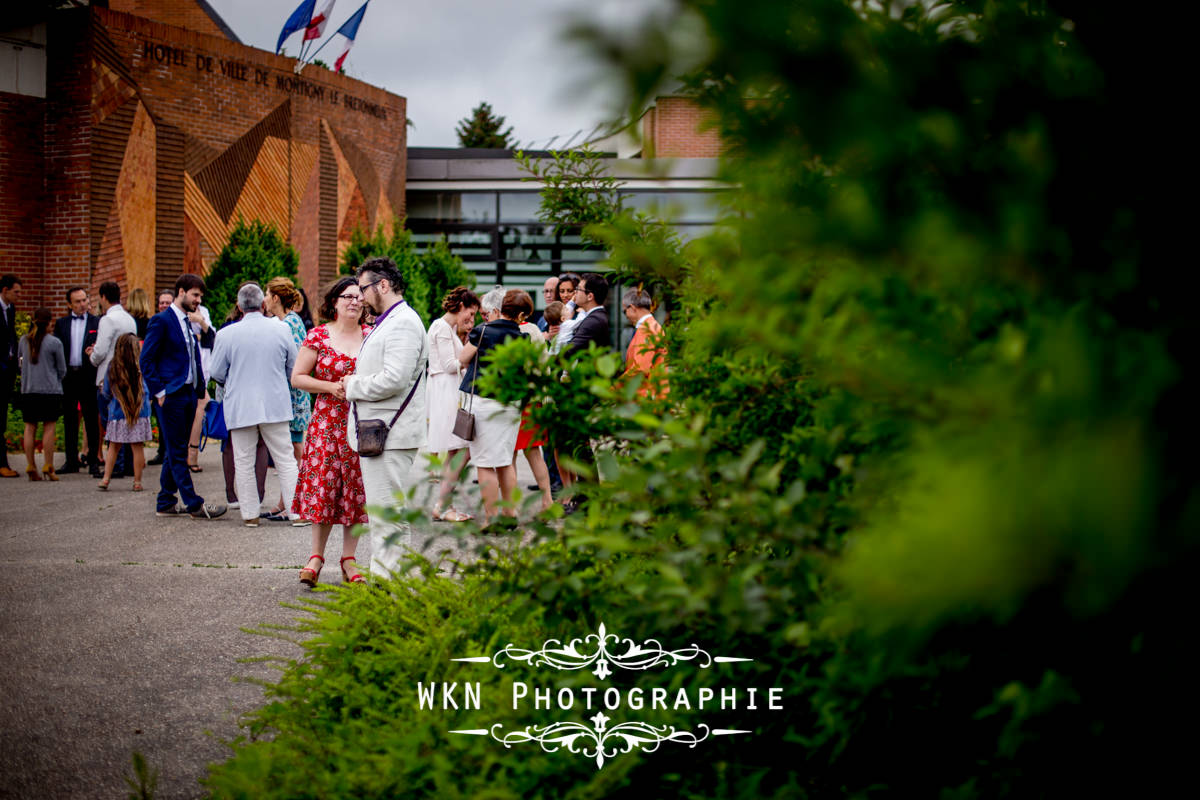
{"x":308,"y":576}
{"x":347,"y":577}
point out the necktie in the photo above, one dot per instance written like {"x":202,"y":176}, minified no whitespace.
{"x":191,"y":346}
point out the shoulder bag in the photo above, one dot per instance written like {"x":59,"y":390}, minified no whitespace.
{"x":464,"y":420}
{"x":373,"y":433}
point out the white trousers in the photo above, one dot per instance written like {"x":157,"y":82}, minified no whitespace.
{"x":279,"y":444}
{"x":384,"y":476}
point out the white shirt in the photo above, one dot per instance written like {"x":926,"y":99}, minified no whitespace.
{"x":78,"y":331}
{"x":185,"y":326}
{"x":116,"y":321}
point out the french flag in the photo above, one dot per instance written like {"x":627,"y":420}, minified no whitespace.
{"x":316,"y":26}
{"x":348,"y":31}
{"x":298,"y":21}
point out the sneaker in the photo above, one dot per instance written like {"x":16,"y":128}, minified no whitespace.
{"x":298,"y":522}
{"x":277,"y":516}
{"x":170,"y":512}
{"x":207,"y":511}
{"x":250,"y":523}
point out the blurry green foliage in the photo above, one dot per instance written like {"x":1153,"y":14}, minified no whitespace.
{"x":927,"y":457}
{"x":429,"y":273}
{"x":255,"y":252}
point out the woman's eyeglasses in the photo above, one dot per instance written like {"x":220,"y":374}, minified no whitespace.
{"x":350,"y":298}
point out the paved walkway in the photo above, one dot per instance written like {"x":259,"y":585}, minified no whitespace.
{"x":123,"y":632}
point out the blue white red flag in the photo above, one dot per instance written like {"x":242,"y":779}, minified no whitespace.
{"x":316,"y":26}
{"x":298,"y":21}
{"x":348,"y":31}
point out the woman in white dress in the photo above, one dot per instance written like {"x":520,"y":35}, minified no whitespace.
{"x":442,"y":395}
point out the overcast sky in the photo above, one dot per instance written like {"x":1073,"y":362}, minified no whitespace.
{"x":447,"y":56}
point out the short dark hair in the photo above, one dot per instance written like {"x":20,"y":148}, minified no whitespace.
{"x":73,"y":290}
{"x":9,"y":281}
{"x":458,"y":298}
{"x":516,"y":302}
{"x":188,"y":281}
{"x":329,"y":299}
{"x":110,"y":292}
{"x":596,"y":286}
{"x":165,"y":291}
{"x":384,"y":267}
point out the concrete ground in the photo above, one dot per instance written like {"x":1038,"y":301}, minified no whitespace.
{"x":123,"y":632}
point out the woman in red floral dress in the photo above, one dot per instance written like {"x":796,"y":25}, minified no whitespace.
{"x":330,"y":490}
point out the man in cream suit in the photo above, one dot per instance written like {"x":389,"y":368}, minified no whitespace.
{"x":389,"y":371}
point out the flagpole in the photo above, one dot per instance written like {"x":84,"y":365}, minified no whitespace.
{"x":327,"y":41}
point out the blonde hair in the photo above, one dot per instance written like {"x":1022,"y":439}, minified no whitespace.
{"x":138,"y":304}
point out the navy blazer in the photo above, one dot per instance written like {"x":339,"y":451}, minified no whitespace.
{"x":594,"y":328}
{"x":164,"y":355}
{"x":8,"y":342}
{"x":62,"y":332}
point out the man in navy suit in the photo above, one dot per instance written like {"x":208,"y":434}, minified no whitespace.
{"x":590,"y":295}
{"x":171,"y":367}
{"x":10,"y":292}
{"x":77,"y":331}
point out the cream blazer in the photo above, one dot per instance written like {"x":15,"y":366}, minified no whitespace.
{"x":392,"y":357}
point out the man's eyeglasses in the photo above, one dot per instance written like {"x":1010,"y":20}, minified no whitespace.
{"x":363,"y":289}
{"x":350,"y":298}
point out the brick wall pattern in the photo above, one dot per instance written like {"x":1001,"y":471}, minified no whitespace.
{"x":677,"y":127}
{"x":153,"y":140}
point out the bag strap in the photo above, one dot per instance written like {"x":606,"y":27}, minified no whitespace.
{"x":475,"y":371}
{"x":403,"y":406}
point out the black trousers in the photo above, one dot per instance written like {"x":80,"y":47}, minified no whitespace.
{"x":7,"y":377}
{"x":79,"y":389}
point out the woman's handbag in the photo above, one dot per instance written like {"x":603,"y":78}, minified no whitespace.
{"x":213,"y":426}
{"x":373,"y":433}
{"x":464,"y":420}
{"x":464,"y":425}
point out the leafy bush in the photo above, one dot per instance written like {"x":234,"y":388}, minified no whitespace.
{"x":255,"y":252}
{"x":428,"y":275}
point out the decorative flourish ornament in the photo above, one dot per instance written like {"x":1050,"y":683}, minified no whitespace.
{"x":597,"y":648}
{"x":600,"y":743}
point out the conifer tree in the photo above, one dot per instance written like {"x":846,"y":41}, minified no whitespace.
{"x":483,"y":129}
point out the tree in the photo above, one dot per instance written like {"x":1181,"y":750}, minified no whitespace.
{"x":577,"y":191}
{"x":429,"y":274}
{"x":255,"y":252}
{"x":482,"y":129}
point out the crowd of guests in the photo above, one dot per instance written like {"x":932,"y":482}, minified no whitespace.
{"x":340,"y":409}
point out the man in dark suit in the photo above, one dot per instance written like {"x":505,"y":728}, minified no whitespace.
{"x":77,"y":332}
{"x":10,"y":291}
{"x":590,"y":295}
{"x":171,"y":367}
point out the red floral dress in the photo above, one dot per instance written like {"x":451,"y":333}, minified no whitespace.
{"x":330,"y":489}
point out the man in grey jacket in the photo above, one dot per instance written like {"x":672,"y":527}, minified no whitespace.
{"x":388,"y":373}
{"x":253,"y":358}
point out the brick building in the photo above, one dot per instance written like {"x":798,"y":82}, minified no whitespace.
{"x":134,"y":133}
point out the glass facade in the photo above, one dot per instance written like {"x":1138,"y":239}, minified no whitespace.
{"x":499,"y":238}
